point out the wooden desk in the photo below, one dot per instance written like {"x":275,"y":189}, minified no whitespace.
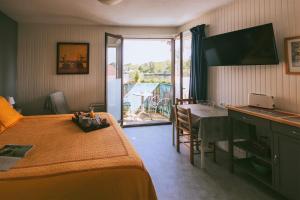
{"x":283,"y":161}
{"x":212,"y":124}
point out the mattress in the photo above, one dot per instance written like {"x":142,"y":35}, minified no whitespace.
{"x":67,"y":163}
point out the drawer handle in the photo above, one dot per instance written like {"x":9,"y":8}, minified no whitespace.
{"x":276,"y":159}
{"x":294,"y":132}
{"x":245,"y":118}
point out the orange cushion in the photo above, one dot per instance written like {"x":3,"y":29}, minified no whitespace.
{"x":8,"y":115}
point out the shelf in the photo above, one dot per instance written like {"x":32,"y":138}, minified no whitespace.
{"x":247,"y":146}
{"x":246,"y":166}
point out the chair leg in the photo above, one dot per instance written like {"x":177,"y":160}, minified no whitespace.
{"x":215,"y":155}
{"x":177,"y":140}
{"x":202,"y":152}
{"x":192,"y":149}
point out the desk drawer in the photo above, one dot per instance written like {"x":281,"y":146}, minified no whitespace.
{"x":286,"y":129}
{"x":249,"y":119}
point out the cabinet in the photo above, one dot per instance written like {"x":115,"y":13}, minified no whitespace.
{"x":287,"y":164}
{"x":283,"y":160}
{"x":258,"y":163}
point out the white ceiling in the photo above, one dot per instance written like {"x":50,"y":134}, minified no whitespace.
{"x":127,"y":13}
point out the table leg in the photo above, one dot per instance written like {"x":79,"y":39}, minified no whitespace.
{"x":202,"y":149}
{"x":142,"y":104}
{"x":230,"y":145}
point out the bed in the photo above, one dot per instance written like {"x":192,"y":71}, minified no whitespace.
{"x":66,"y":163}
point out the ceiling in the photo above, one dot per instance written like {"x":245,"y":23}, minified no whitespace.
{"x":127,"y":13}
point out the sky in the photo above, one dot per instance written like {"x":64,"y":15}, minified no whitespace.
{"x":139,"y":51}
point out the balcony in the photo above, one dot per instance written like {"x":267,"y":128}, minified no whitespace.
{"x":147,"y":103}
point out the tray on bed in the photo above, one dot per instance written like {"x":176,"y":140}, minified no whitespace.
{"x":89,"y":124}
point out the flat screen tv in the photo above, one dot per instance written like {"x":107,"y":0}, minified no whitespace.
{"x":251,"y":46}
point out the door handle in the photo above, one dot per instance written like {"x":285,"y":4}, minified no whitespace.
{"x":276,"y":159}
{"x":246,"y":118}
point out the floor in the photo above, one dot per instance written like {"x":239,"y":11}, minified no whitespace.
{"x":144,"y":118}
{"x":175,"y":178}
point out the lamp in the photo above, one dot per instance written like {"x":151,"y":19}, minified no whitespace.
{"x":11,"y":101}
{"x":110,"y":2}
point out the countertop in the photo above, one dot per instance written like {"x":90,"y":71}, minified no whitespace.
{"x":284,"y":117}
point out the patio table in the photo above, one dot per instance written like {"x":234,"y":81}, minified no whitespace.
{"x":143,"y":95}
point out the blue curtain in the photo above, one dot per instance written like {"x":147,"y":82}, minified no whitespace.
{"x":198,"y":75}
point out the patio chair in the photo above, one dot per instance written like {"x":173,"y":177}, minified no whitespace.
{"x":153,"y":104}
{"x":165,"y":106}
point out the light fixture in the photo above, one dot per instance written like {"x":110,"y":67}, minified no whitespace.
{"x":110,"y":2}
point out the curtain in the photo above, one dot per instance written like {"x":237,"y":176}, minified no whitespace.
{"x":199,"y":71}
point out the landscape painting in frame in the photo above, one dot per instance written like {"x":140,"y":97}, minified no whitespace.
{"x":72,"y":58}
{"x":292,"y":48}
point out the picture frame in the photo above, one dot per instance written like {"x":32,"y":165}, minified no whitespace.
{"x":292,"y":55}
{"x":72,"y":58}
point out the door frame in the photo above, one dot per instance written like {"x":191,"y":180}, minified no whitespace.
{"x":180,"y":36}
{"x":122,"y":89}
{"x":121,"y":71}
{"x":172,"y":77}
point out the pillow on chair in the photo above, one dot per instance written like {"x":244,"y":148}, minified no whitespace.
{"x":8,"y":115}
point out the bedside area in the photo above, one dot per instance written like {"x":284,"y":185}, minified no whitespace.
{"x":272,"y":147}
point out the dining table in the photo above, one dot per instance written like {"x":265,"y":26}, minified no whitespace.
{"x":212,"y":123}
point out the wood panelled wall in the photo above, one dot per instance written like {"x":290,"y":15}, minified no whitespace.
{"x":231,"y":85}
{"x":36,"y":71}
{"x":8,"y":55}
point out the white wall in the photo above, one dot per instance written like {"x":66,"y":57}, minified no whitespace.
{"x":231,"y":85}
{"x":36,"y":71}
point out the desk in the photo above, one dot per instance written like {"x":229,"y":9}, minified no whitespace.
{"x":281,"y":129}
{"x":213,"y":124}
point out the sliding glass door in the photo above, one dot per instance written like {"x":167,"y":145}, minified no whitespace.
{"x":177,"y":67}
{"x":114,"y":63}
{"x":183,"y":43}
{"x":186,"y":63}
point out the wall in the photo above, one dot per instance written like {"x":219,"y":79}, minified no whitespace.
{"x":231,"y":85}
{"x":8,"y":55}
{"x":37,"y":63}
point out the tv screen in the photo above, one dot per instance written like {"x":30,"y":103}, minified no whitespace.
{"x":251,"y":46}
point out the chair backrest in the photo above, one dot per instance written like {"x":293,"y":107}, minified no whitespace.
{"x":184,"y":101}
{"x":165,"y":101}
{"x":183,"y":119}
{"x":58,"y":103}
{"x":154,"y":100}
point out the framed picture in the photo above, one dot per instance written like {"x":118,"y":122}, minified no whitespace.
{"x":72,"y":58}
{"x":292,"y":55}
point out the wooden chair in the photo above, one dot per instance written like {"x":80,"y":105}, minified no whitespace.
{"x":184,"y":129}
{"x":192,"y":131}
{"x":179,"y":102}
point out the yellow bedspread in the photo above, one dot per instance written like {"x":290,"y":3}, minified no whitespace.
{"x":66,"y":163}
